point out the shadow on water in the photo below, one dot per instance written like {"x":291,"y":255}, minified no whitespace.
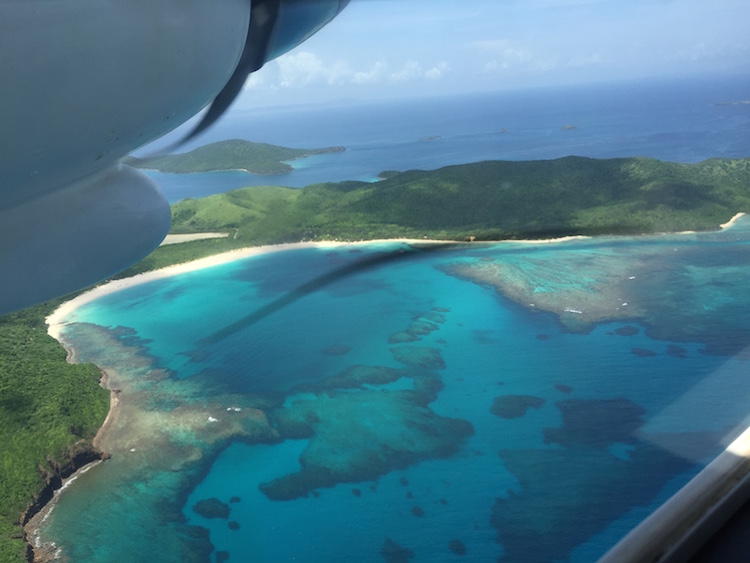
{"x":365,"y":264}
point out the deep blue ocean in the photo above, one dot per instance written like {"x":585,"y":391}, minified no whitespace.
{"x":680,"y":121}
{"x":390,"y":402}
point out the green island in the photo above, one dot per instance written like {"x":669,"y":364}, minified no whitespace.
{"x":234,"y":154}
{"x":493,"y":200}
{"x":50,"y":409}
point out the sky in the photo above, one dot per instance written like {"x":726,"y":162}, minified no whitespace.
{"x":379,"y":49}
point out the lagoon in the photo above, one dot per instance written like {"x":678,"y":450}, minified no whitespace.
{"x":361,"y":419}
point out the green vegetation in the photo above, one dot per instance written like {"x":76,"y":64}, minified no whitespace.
{"x":235,"y":154}
{"x":48,"y":406}
{"x":491,"y":200}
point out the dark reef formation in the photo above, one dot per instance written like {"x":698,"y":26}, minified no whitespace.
{"x":394,"y":553}
{"x":336,"y":350}
{"x":676,"y":351}
{"x":514,"y":406}
{"x":418,"y":356}
{"x":457,"y":547}
{"x":596,"y":423}
{"x":628,"y":330}
{"x":356,"y":376}
{"x":211,"y":508}
{"x":360,"y":435}
{"x":643,"y":352}
{"x":549,"y":516}
{"x":358,"y":430}
{"x":420,"y":326}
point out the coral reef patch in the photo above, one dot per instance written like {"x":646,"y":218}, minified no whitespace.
{"x":596,"y":423}
{"x":584,"y":286}
{"x":419,"y":357}
{"x":211,"y":508}
{"x":457,"y":547}
{"x":394,"y":553}
{"x":627,"y":330}
{"x":336,"y":350}
{"x":357,"y":376}
{"x":359,"y":435}
{"x":676,"y":351}
{"x":549,"y":517}
{"x":514,"y":406}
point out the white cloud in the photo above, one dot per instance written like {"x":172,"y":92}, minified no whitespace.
{"x":410,"y":71}
{"x":702,"y":51}
{"x":504,"y":54}
{"x":412,"y":46}
{"x":372,"y":76}
{"x":255,"y":81}
{"x":304,"y":68}
{"x":585,"y":60}
{"x":438,"y":71}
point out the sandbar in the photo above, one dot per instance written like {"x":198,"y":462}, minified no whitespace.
{"x":177,"y":239}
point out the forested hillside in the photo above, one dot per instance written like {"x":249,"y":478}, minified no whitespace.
{"x":491,"y":200}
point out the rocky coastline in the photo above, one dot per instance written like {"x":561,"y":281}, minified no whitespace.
{"x":76,"y":457}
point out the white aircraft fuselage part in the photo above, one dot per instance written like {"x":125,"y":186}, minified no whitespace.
{"x":82,"y":84}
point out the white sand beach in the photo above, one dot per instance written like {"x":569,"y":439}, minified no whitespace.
{"x":732,"y":221}
{"x":56,"y":321}
{"x":177,"y":239}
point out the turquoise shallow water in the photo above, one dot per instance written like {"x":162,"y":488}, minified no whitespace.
{"x":410,"y":407}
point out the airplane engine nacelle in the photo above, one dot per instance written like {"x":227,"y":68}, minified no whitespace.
{"x":85,"y":82}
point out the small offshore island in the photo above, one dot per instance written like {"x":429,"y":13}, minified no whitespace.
{"x":486,"y":201}
{"x":233,"y":154}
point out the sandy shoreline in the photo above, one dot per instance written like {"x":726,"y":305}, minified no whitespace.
{"x":114,"y":403}
{"x":732,"y":221}
{"x":55,"y":321}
